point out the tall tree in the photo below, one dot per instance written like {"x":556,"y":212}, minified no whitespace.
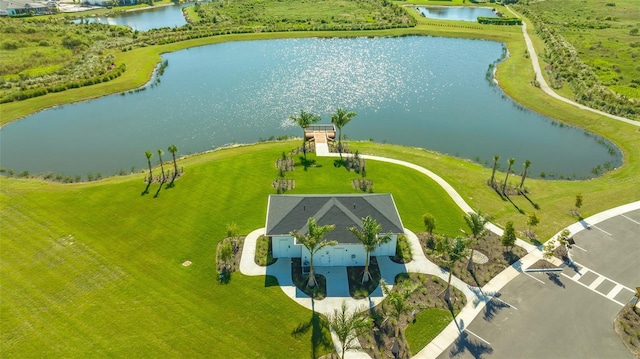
{"x":173,"y":149}
{"x":532,"y":221}
{"x":495,"y":166}
{"x":304,"y":120}
{"x":578,"y":204}
{"x":369,"y":237}
{"x":451,"y":252}
{"x":149,"y":154}
{"x":348,"y":326}
{"x":504,"y":185}
{"x":397,"y":299}
{"x":160,"y":153}
{"x":476,"y":223}
{"x":527,"y":163}
{"x":429,"y":223}
{"x":314,"y":242}
{"x":509,"y":236}
{"x":340,"y":119}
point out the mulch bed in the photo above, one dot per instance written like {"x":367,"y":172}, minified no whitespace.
{"x":491,"y":246}
{"x":360,"y":290}
{"x":300,"y":280}
{"x":429,"y":294}
{"x":232,"y":266}
{"x":627,"y":326}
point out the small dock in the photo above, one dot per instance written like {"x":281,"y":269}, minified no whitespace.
{"x":321,"y":134}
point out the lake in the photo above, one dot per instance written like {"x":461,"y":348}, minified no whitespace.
{"x":456,"y":12}
{"x":147,"y":19}
{"x":427,"y":92}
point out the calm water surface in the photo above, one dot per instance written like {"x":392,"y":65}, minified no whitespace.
{"x":418,"y":91}
{"x":143,"y":20}
{"x":456,"y":12}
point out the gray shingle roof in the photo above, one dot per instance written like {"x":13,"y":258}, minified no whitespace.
{"x":286,"y":213}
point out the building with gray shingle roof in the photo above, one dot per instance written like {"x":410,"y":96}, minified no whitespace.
{"x":287,"y":213}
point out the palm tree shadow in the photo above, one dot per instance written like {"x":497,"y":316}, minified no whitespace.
{"x":159,"y":189}
{"x":320,"y":337}
{"x":535,"y":205}
{"x":464,"y":343}
{"x":492,"y":307}
{"x":146,"y":189}
{"x":515,"y":205}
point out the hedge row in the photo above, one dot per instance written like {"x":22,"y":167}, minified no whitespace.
{"x":499,"y":20}
{"x":27,"y":94}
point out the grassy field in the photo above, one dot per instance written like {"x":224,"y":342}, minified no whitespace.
{"x":96,"y":268}
{"x":606,"y":35}
{"x":298,"y":13}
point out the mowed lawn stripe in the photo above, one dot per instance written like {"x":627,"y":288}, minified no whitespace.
{"x":120,"y":289}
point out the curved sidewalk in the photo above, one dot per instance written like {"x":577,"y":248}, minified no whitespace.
{"x":549,"y":91}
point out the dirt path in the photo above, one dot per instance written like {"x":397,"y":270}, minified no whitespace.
{"x":549,"y":91}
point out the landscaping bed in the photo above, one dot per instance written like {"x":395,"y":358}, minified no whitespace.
{"x":360,"y":290}
{"x":491,"y":247}
{"x":317,"y":292}
{"x":627,"y":325}
{"x":426,"y":297}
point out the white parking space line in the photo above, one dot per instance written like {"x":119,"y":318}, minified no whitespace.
{"x":631,"y":219}
{"x":580,"y":248}
{"x":529,"y":275}
{"x":498,"y":299}
{"x":477,"y":336}
{"x":596,"y":283}
{"x":613,"y":292}
{"x":579,"y":274}
{"x":594,"y":291}
{"x":602,"y":230}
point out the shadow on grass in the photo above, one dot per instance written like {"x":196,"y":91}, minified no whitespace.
{"x":146,"y":189}
{"x":159,"y":189}
{"x":535,"y":205}
{"x":306,"y":163}
{"x":514,"y":205}
{"x":270,"y":281}
{"x":320,"y":337}
{"x":224,"y":277}
{"x":555,"y":279}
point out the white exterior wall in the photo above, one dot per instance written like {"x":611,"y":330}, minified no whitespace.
{"x":339,"y":255}
{"x":284,"y":247}
{"x":387,"y":249}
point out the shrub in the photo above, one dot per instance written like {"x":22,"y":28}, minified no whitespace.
{"x":10,"y":45}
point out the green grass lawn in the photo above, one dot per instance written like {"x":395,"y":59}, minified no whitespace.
{"x":95,"y":268}
{"x":428,"y":324}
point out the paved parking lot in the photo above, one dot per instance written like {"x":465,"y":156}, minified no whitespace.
{"x":567,"y":314}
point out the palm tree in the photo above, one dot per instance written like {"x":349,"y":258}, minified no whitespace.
{"x":173,"y":149}
{"x":313,"y":242}
{"x":495,"y":166}
{"x":149,"y":154}
{"x":475,"y":222}
{"x":504,"y":185}
{"x":527,"y":163}
{"x":348,"y":326}
{"x":304,"y":120}
{"x":398,"y":300}
{"x":454,"y":251}
{"x":340,"y":119}
{"x":160,"y":153}
{"x":369,"y":237}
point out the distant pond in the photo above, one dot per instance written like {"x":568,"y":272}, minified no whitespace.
{"x":461,"y":13}
{"x":147,"y":19}
{"x":427,"y":92}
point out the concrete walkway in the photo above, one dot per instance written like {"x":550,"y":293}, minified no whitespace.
{"x":549,"y":91}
